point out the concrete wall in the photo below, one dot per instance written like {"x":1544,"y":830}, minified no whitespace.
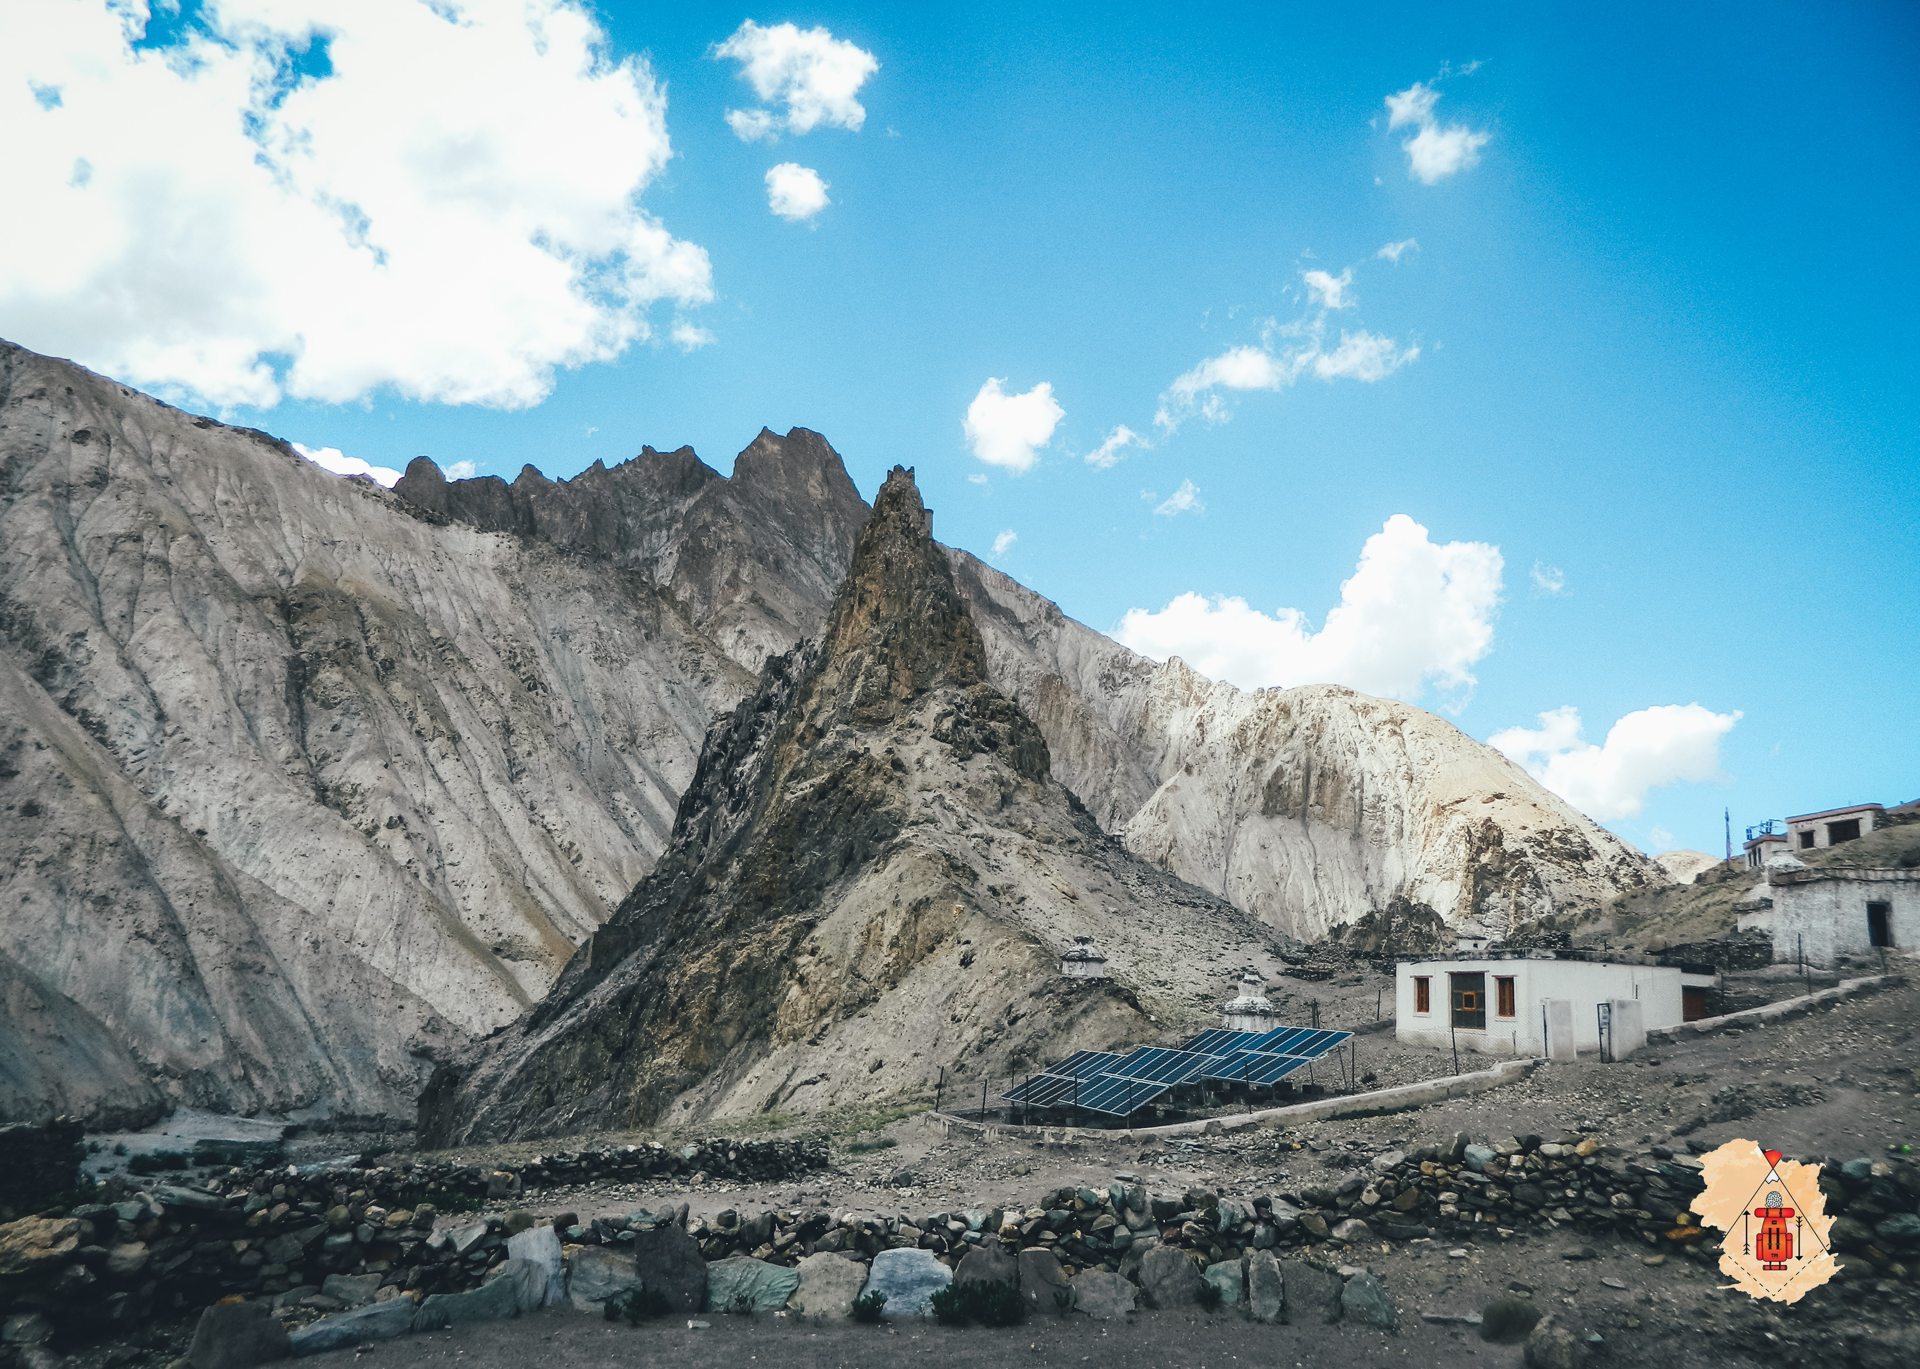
{"x":1826,"y":912}
{"x":1583,"y":985}
{"x":1819,"y":826}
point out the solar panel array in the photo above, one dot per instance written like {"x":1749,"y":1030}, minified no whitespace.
{"x":1120,"y":1085}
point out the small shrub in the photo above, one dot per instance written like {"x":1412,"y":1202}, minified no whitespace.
{"x":867,"y":1307}
{"x":990,"y":1304}
{"x":636,"y":1305}
{"x":878,"y":1143}
{"x":1210,"y":1296}
{"x":1063,"y":1299}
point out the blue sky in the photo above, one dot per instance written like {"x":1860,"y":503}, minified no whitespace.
{"x":1654,"y":341}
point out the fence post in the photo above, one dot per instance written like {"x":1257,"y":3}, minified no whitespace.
{"x":939,"y":1086}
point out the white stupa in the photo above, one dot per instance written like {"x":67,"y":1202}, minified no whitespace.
{"x":1082,"y":961}
{"x":1248,"y":1010}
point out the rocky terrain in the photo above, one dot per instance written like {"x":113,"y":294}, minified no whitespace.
{"x":330,"y":776}
{"x":870,"y":881}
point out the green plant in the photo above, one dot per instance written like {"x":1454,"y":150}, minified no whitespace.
{"x":878,"y":1143}
{"x":1210,"y":1296}
{"x":989,"y":1303}
{"x":1063,"y":1299}
{"x":867,"y":1307}
{"x":636,"y":1305}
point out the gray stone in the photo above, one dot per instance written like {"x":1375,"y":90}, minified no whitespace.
{"x":1507,"y":1320}
{"x":517,"y":1287}
{"x":1478,"y":1157}
{"x":237,"y":1335}
{"x":988,"y":1262}
{"x":376,"y":1321}
{"x":350,"y":1290}
{"x":1901,"y":1229}
{"x":1228,"y":1276}
{"x":669,"y":1262}
{"x":598,"y":1272}
{"x":1101,"y":1295}
{"x":1266,"y":1291}
{"x":1043,"y":1283}
{"x":1553,"y":1346}
{"x":826,"y":1286}
{"x":539,"y":1246}
{"x":1352,"y":1231}
{"x":741,"y":1283}
{"x":26,"y":1328}
{"x":1312,"y":1293}
{"x":467,"y":1237}
{"x":908,"y":1279}
{"x":1169,"y":1279}
{"x":1364,"y":1302}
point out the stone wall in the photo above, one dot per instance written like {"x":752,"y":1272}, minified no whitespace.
{"x":38,"y":1162}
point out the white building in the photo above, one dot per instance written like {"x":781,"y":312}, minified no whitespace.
{"x":1838,"y":911}
{"x":1537,"y":1004}
{"x":1249,"y":1010}
{"x":1836,"y":826}
{"x":1082,"y":961}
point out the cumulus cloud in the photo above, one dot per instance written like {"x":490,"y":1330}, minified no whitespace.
{"x":337,"y":461}
{"x":812,"y":76}
{"x":321,"y":200}
{"x":1008,"y":430}
{"x":1186,"y":499}
{"x":1393,"y":251}
{"x":1107,"y":455}
{"x":794,"y":192}
{"x":1434,"y":151}
{"x":460,"y":470}
{"x":1280,"y":360}
{"x":1643,"y":751}
{"x":1548,"y":580}
{"x":1003,"y":543}
{"x":1329,"y":291}
{"x":690,"y":337}
{"x":1415,"y":614}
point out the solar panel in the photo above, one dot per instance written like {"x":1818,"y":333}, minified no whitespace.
{"x":1057,"y":1086}
{"x":1119,"y":1097}
{"x":1219,"y":1040}
{"x":1162,"y":1065}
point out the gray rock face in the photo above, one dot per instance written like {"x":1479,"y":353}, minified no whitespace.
{"x":377,"y":1321}
{"x":539,"y":1246}
{"x":989,"y":1262}
{"x":826,"y":1286}
{"x":237,"y":1336}
{"x":1102,"y":1296}
{"x":1042,"y":1281}
{"x":1311,"y":1294}
{"x":908,"y":1279}
{"x":669,"y":1262}
{"x":1230,"y":1277}
{"x":741,"y":1283}
{"x":1266,"y":1290}
{"x":1169,"y":1279}
{"x":519,"y":1286}
{"x":1364,"y":1302}
{"x":598,"y":1272}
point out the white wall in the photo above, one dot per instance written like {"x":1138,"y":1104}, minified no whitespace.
{"x":1826,"y":910}
{"x":1819,"y":829}
{"x":1584,"y":984}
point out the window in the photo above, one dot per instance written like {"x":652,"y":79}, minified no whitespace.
{"x":1847,"y":830}
{"x":1807,"y":839}
{"x":1503,"y":996}
{"x":1469,"y":999}
{"x":1422,"y":1001}
{"x":1879,"y":924}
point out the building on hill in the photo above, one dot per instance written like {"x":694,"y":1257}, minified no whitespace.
{"x":1834,"y":827}
{"x":1764,"y":839}
{"x":1543,"y":1004}
{"x":1082,"y":961}
{"x":1835,"y":912}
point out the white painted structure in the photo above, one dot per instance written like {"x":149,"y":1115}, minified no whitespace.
{"x":1249,"y":1010}
{"x":1835,"y":827}
{"x":1838,"y":911}
{"x":1082,"y":961}
{"x":1514,"y":1006}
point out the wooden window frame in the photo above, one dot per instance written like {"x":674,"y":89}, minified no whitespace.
{"x":1506,"y":1003}
{"x":1423,"y":993}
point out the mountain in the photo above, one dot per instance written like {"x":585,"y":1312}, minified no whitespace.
{"x":278,"y":745}
{"x":871,"y":879}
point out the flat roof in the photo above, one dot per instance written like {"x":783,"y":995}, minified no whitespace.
{"x":1839,"y":812}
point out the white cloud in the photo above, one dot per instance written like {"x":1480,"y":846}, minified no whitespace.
{"x":1548,"y":580}
{"x":1645,"y":750}
{"x":337,"y":461}
{"x":1007,"y":429}
{"x":1363,"y":356}
{"x":1433,"y":152}
{"x":1329,"y":291}
{"x":977,"y":478}
{"x":460,"y":470}
{"x":690,"y":337}
{"x":1414,"y":614}
{"x":796,"y":193}
{"x":809,"y":72}
{"x":1004,"y":542}
{"x":1186,"y":499}
{"x":1276,"y":364}
{"x":450,"y":208}
{"x":1393,"y":251}
{"x":1107,"y":455}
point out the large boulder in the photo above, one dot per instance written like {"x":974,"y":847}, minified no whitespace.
{"x":669,"y":1262}
{"x":237,"y":1335}
{"x":376,"y":1321}
{"x":908,"y":1279}
{"x":827,"y":1285}
{"x":1043,"y":1283}
{"x":599,"y":1272}
{"x":1230,"y":1277}
{"x":988,"y":1262}
{"x":1266,"y":1291}
{"x":518,"y":1286}
{"x":1168,"y":1278}
{"x":1101,"y":1295}
{"x":1552,"y":1345}
{"x":34,"y":1243}
{"x":741,"y":1283}
{"x":350,"y":1290}
{"x":1364,"y":1302}
{"x":1507,"y":1320}
{"x":539,"y":1246}
{"x":1312,"y":1294}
